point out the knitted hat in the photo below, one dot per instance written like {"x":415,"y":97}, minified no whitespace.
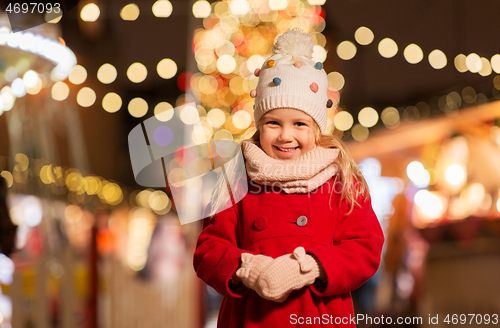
{"x":291,"y":79}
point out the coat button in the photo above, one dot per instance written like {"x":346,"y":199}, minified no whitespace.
{"x":260,"y":223}
{"x":301,"y":221}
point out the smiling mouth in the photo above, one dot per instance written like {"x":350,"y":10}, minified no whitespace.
{"x":288,"y":150}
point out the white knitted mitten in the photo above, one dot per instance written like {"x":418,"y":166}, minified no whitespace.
{"x":251,"y":267}
{"x":288,"y":273}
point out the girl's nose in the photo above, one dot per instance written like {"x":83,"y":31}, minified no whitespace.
{"x":286,"y":135}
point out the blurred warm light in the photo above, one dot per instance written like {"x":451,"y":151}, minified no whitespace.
{"x":163,"y":111}
{"x":474,"y":63}
{"x":475,"y":194}
{"x":387,"y":48}
{"x":343,"y":121}
{"x":159,"y":201}
{"x":138,"y":107}
{"x":242,"y":119}
{"x":319,"y":54}
{"x":10,"y":74}
{"x":130,"y":12}
{"x":495,"y":63}
{"x":278,"y":4}
{"x":30,"y":78}
{"x":22,"y":161}
{"x":137,"y":72}
{"x":418,"y":175}
{"x":166,"y":68}
{"x":86,"y":97}
{"x":430,"y":204}
{"x":36,"y":88}
{"x":359,"y":132}
{"x":226,"y":64}
{"x":60,"y":91}
{"x":346,"y":50}
{"x":498,"y":205}
{"x":216,"y":117}
{"x":469,"y":95}
{"x":413,"y":54}
{"x":162,"y":8}
{"x":455,"y":174}
{"x":223,"y":134}
{"x":201,"y":9}
{"x":73,"y":213}
{"x":460,"y":63}
{"x":486,"y":67}
{"x":7,"y":97}
{"x":189,"y":114}
{"x":112,"y":102}
{"x":316,"y":2}
{"x":239,"y":7}
{"x":336,"y":80}
{"x":18,"y":88}
{"x":90,"y":12}
{"x":254,"y":62}
{"x":9,"y":179}
{"x":364,"y":35}
{"x":107,"y":74}
{"x":368,"y":117}
{"x":437,"y":59}
{"x":78,"y":75}
{"x":390,"y":117}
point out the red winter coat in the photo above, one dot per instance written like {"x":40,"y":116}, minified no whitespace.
{"x":266,"y":222}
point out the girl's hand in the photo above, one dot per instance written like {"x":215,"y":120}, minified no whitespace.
{"x":251,"y":267}
{"x":288,"y":273}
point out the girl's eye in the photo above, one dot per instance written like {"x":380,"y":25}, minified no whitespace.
{"x":301,"y":124}
{"x":272,"y":122}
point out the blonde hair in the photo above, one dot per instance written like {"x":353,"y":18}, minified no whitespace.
{"x":349,"y":175}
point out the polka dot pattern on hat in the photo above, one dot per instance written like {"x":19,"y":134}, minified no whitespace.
{"x":270,"y":63}
{"x":257,"y":72}
{"x":277,"y":81}
{"x":318,"y":65}
{"x":314,"y":87}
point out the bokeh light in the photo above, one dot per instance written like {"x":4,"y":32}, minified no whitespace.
{"x":413,"y":54}
{"x":485,"y":68}
{"x":455,"y":174}
{"x":390,"y":117}
{"x":107,"y":74}
{"x":216,"y":117}
{"x":90,"y":12}
{"x":460,"y":63}
{"x":278,"y":4}
{"x":36,"y":88}
{"x":60,"y":91}
{"x":78,"y":75}
{"x":130,"y":12}
{"x":495,"y":63}
{"x":226,"y":64}
{"x":30,"y":78}
{"x":239,"y":7}
{"x":166,"y":68}
{"x":111,"y":102}
{"x":364,"y":36}
{"x":319,"y":54}
{"x":162,"y":8}
{"x":242,"y":119}
{"x":474,"y":63}
{"x":189,"y":114}
{"x":437,"y":59}
{"x":359,"y":132}
{"x":346,"y":50}
{"x":163,"y":111}
{"x":368,"y":117}
{"x":387,"y":48}
{"x":138,"y":107}
{"x":201,"y":9}
{"x":343,"y":121}
{"x":86,"y":97}
{"x":137,"y":72}
{"x":336,"y":80}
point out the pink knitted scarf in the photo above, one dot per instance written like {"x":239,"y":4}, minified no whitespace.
{"x":301,"y":175}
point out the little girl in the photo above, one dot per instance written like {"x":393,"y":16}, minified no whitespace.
{"x":305,"y":234}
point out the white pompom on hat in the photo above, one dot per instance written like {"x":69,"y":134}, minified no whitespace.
{"x":291,"y":79}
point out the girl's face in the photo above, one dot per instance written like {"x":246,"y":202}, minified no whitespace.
{"x":287,"y":133}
